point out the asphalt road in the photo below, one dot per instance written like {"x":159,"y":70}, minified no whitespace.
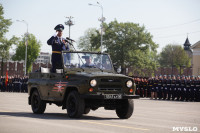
{"x":150,"y":116}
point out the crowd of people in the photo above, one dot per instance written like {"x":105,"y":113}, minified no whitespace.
{"x":14,"y":84}
{"x":180,"y":88}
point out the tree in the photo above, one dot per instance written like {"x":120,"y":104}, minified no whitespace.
{"x":4,"y":23}
{"x":5,"y":44}
{"x":174,"y":55}
{"x":84,"y":42}
{"x":129,"y":45}
{"x":33,"y":50}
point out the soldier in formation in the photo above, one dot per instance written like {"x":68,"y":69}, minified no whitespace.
{"x":14,"y":84}
{"x":180,"y":88}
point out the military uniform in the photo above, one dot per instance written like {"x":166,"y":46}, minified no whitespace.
{"x":150,"y":86}
{"x":156,"y":87}
{"x":197,"y":97}
{"x":183,"y":89}
{"x":137,"y":87}
{"x":164,"y":86}
{"x":141,"y":88}
{"x":172,"y":92}
{"x":188,"y":89}
{"x":10,"y":85}
{"x":168,"y":90}
{"x":178,"y":89}
{"x":192,"y":89}
{"x":3,"y":85}
{"x":57,"y":47}
{"x":160,"y":88}
{"x":145,"y":85}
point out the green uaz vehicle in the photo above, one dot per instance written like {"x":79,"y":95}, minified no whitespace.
{"x":86,"y":82}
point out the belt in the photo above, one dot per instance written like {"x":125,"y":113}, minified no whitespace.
{"x":56,"y":52}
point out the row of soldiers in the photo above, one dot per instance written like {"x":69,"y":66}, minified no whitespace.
{"x":14,"y":84}
{"x":180,"y":88}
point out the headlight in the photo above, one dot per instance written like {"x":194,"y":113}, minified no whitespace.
{"x":93,"y":83}
{"x":129,"y":84}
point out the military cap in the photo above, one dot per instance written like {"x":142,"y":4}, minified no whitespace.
{"x":169,"y":75}
{"x":59,"y":27}
{"x":183,"y":76}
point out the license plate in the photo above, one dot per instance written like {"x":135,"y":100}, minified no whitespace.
{"x":113,"y":96}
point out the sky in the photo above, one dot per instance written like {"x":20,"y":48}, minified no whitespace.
{"x":168,"y":21}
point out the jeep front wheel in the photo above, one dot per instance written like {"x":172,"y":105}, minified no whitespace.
{"x":38,"y":105}
{"x":125,"y":109}
{"x":75,"y":105}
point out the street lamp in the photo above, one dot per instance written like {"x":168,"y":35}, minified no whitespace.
{"x":102,"y":19}
{"x":69,"y":23}
{"x":26,"y":43}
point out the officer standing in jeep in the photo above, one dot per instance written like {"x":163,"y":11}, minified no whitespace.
{"x":58,"y":44}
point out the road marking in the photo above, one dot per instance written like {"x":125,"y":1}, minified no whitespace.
{"x":111,"y":125}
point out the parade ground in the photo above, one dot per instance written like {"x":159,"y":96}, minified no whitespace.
{"x":150,"y":116}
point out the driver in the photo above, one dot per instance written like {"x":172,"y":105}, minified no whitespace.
{"x":88,"y":62}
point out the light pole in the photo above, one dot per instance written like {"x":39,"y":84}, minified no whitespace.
{"x":102,"y":19}
{"x":26,"y":43}
{"x":69,"y":23}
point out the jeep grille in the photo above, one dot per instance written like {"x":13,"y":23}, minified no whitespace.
{"x":110,"y":85}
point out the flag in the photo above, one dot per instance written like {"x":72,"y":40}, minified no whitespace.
{"x":6,"y":82}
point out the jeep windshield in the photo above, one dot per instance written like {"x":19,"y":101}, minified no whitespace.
{"x":86,"y":60}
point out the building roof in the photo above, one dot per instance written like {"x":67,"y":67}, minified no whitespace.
{"x":197,"y":44}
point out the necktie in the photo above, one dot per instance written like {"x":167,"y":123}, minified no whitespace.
{"x":60,"y":40}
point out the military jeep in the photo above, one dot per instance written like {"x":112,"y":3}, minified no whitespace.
{"x":86,"y":82}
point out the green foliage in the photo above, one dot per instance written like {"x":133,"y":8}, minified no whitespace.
{"x":129,"y":46}
{"x":33,"y":50}
{"x":4,"y":23}
{"x":174,"y":55}
{"x":84,"y":42}
{"x":5,"y":44}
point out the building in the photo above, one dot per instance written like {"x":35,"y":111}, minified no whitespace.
{"x":13,"y":67}
{"x":17,"y":67}
{"x":196,"y":58}
{"x":43,"y":58}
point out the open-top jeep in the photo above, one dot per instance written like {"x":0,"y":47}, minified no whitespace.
{"x":86,"y":82}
